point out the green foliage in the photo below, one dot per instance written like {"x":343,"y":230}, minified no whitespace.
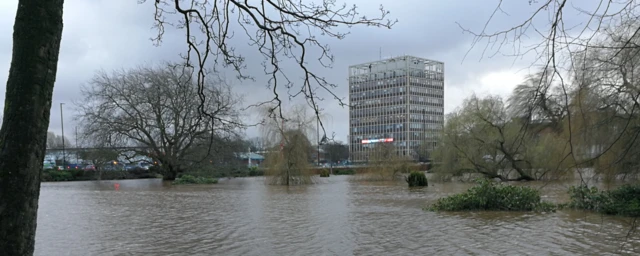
{"x":54,"y":175}
{"x":344,"y":171}
{"x":80,"y":175}
{"x":189,"y":179}
{"x":624,"y":201}
{"x":385,"y":164}
{"x":255,"y":172}
{"x":491,"y":196}
{"x":325,"y":173}
{"x":417,"y":179}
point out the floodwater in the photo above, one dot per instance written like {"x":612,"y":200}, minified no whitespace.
{"x":337,"y":217}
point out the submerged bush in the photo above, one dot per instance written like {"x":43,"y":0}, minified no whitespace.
{"x":491,"y":196}
{"x":417,"y":179}
{"x":624,"y":201}
{"x":189,"y":179}
{"x":255,"y":172}
{"x":55,"y":175}
{"x":324,"y":173}
{"x":344,"y":172}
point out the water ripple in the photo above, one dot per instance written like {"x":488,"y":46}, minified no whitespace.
{"x":337,"y":217}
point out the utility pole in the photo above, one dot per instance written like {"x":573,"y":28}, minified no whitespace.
{"x":318,"y":139}
{"x":64,"y":157}
{"x":77,"y":145}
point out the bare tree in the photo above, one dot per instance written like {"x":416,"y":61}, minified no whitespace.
{"x":336,"y":151}
{"x":280,"y":30}
{"x":55,"y":141}
{"x":156,"y":108}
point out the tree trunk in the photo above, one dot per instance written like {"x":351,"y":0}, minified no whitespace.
{"x":169,"y":173}
{"x":36,"y":45}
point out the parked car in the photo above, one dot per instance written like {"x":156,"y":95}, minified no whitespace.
{"x":130,"y":167}
{"x":144,"y":166}
{"x":90,"y":167}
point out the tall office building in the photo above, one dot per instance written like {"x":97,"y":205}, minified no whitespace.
{"x":399,"y":101}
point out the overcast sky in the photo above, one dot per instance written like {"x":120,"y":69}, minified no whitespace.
{"x":112,"y":34}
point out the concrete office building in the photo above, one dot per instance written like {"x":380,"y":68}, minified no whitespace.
{"x":398,"y":100}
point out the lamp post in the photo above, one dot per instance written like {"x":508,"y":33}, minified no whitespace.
{"x":318,"y":139}
{"x":77,"y":158}
{"x":64,"y":157}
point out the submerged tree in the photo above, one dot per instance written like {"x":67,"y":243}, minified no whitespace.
{"x":482,"y":137}
{"x":157,"y":109}
{"x":289,"y":161}
{"x":593,"y":56}
{"x":385,"y":164}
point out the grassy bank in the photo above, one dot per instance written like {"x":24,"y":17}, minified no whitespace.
{"x":81,"y":175}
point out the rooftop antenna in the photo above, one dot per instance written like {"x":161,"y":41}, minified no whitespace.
{"x":380,"y":53}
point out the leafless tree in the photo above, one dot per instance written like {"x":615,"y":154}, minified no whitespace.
{"x":55,"y":141}
{"x":156,"y":108}
{"x":280,"y":30}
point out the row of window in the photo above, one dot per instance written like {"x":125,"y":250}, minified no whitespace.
{"x":357,"y":121}
{"x":391,"y":74}
{"x":396,"y":100}
{"x":412,"y":143}
{"x":397,"y":91}
{"x":373,"y":130}
{"x":362,"y":85}
{"x":423,"y":99}
{"x":424,"y":90}
{"x":425,"y":108}
{"x":396,"y":118}
{"x":389,"y":112}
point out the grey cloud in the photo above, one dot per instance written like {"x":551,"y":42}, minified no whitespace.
{"x":115,"y":34}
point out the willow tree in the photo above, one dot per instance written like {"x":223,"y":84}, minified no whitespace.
{"x":289,"y":162}
{"x":385,"y":164}
{"x":482,"y":137}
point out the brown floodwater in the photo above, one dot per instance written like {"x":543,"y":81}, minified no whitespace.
{"x":244,"y":216}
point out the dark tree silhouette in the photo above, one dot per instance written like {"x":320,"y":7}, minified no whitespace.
{"x":36,"y":45}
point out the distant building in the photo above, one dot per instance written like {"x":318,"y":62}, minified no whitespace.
{"x":398,"y":100}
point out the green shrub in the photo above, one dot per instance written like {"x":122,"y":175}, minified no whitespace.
{"x":54,"y":175}
{"x":344,"y":172}
{"x":490,"y":196}
{"x":255,"y":172}
{"x":417,"y":179}
{"x":188,"y":179}
{"x":624,"y":201}
{"x":324,"y":173}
